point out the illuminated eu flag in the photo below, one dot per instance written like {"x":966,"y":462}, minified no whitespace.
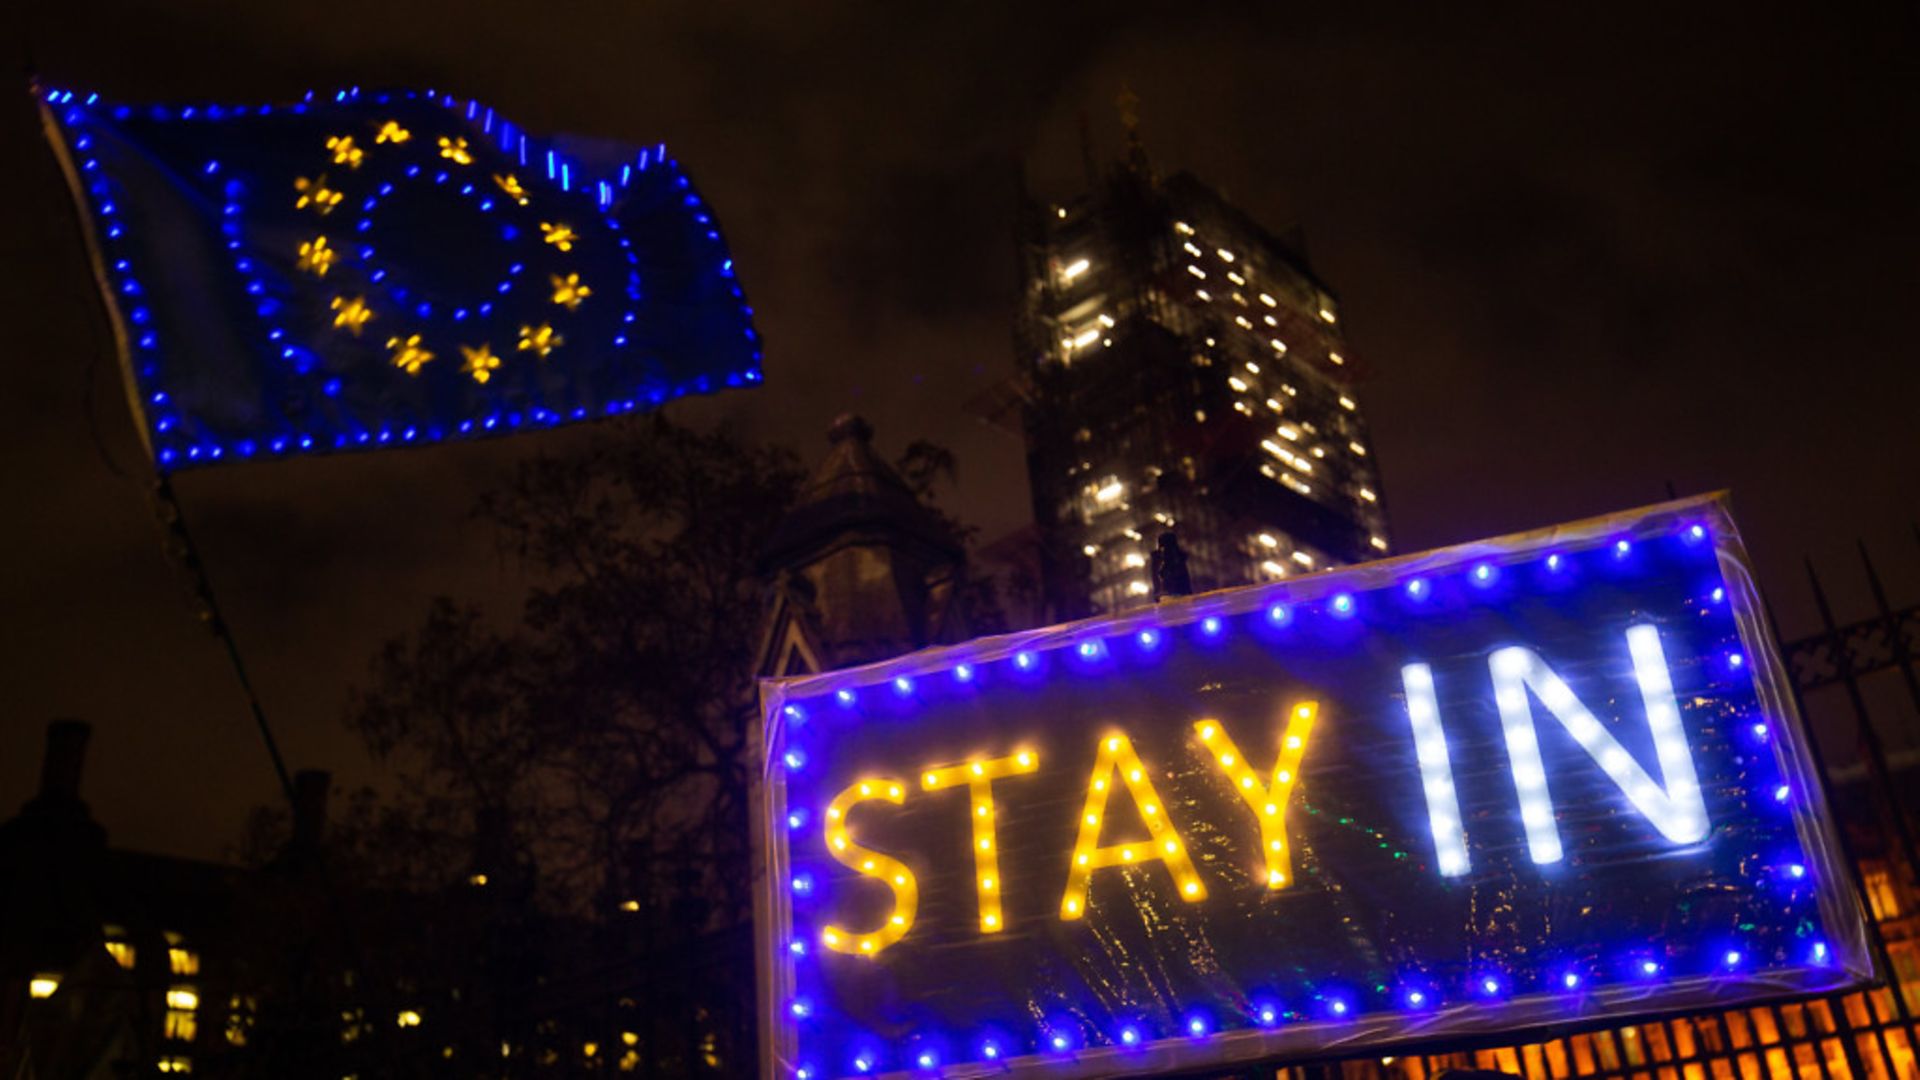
{"x":367,"y":270}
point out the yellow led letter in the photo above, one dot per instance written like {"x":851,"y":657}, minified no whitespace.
{"x":906,"y":892}
{"x":1268,"y":801}
{"x":1116,"y":756}
{"x":979,"y":777}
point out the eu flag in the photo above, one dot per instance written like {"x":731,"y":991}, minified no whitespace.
{"x":366,"y":270}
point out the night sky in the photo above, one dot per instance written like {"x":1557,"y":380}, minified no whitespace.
{"x":1583,"y":254}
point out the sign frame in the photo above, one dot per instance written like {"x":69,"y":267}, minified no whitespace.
{"x":1844,"y":960}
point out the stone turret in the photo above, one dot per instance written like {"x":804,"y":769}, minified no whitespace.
{"x":863,"y":570}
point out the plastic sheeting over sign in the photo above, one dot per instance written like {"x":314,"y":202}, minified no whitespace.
{"x":1550,"y":778}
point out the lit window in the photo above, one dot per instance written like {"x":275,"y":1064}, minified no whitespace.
{"x":1379,"y":543}
{"x":43,"y":985}
{"x":1273,"y":569}
{"x":1137,"y":588}
{"x":181,"y":1025}
{"x":182,"y":997}
{"x":1268,"y":300}
{"x":183,"y":961}
{"x":408,"y":1018}
{"x":1270,"y":320}
{"x":1336,"y":358}
{"x":1253,"y":367}
{"x":1200,"y":415}
{"x":1357,"y":449}
{"x":1134,"y":560}
{"x":1303,"y":559}
{"x":1183,"y":227}
{"x":1239,"y":384}
{"x":1327,"y":315}
{"x":1347,"y":403}
{"x":1289,"y":432}
{"x":1225,"y":254}
{"x":1278,"y":345}
{"x":1086,"y":338}
{"x":1243,"y":408}
{"x":122,"y":953}
{"x":1090,"y":551}
{"x":1192,"y":249}
{"x":1242,"y":321}
{"x":1269,"y":540}
{"x":174,"y":1065}
{"x":1075,"y":269}
{"x":1196,"y":271}
{"x":1236,"y":278}
{"x":1060,"y":210}
{"x":1273,"y":404}
{"x":1367,"y":494}
{"x":1106,"y":319}
{"x":1295,"y":484}
{"x":1110,"y":491}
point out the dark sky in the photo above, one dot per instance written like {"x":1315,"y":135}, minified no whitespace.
{"x":1584,"y":251}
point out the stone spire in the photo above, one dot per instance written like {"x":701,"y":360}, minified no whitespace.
{"x":864,"y":570}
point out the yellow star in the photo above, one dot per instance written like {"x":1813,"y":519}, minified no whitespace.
{"x":315,"y":193}
{"x":351,"y":315}
{"x":316,"y":256}
{"x":456,"y":149}
{"x":480,"y":362}
{"x":392,"y":132}
{"x":568,"y":292}
{"x":541,"y":340}
{"x":559,"y":236}
{"x":344,"y":152}
{"x":408,"y":356}
{"x":512,"y":187}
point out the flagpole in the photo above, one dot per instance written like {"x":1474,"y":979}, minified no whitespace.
{"x":179,"y":541}
{"x":186,"y":554}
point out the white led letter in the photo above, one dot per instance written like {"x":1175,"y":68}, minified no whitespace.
{"x":1677,"y":810}
{"x":1436,"y":770}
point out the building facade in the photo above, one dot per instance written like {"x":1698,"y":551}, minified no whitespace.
{"x":1185,"y":370}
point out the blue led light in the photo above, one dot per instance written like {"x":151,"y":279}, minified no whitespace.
{"x":1796,"y":871}
{"x":1649,"y":968}
{"x":1196,"y":1025}
{"x":1060,"y":1041}
{"x":796,"y":714}
{"x":1782,"y":793}
{"x":1210,"y":625}
{"x":1148,"y":639}
{"x":1736,"y":660}
{"x":1570,"y":980}
{"x":1819,"y":952}
{"x":801,"y":1008}
{"x":1025,"y":660}
{"x":902,"y":685}
{"x":1491,"y":986}
{"x":1342,"y":604}
{"x":1733,"y":958}
{"x":1129,"y":1036}
{"x":1266,"y":1014}
{"x":1416,"y":999}
{"x":863,"y":1063}
{"x":1091,"y":650}
{"x":796,"y":819}
{"x":963,"y":672}
{"x":1759,"y":730}
{"x":1483,"y":574}
{"x":927,"y":1059}
{"x":797,"y":947}
{"x":990,"y":1050}
{"x":1696,"y":533}
{"x":1338,"y":1006}
{"x":803,"y":884}
{"x":795,"y":758}
{"x":1418,"y":588}
{"x":1719,"y":594}
{"x":1279,"y":614}
{"x":1622,"y":548}
{"x":846,"y":698}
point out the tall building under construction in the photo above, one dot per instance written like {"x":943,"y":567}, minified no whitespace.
{"x":1187,"y":370}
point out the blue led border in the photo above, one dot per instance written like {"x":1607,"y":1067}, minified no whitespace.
{"x":1490,"y":1003}
{"x":66,"y":113}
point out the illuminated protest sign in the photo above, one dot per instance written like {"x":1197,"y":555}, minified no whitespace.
{"x":1549,"y":779}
